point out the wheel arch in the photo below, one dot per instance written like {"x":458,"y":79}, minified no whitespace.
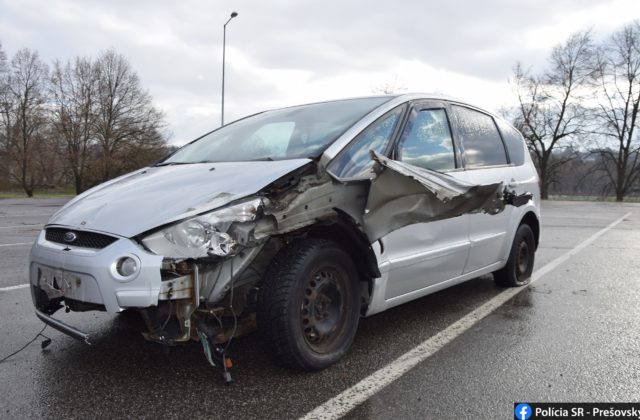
{"x":531,"y":219}
{"x":344,"y":231}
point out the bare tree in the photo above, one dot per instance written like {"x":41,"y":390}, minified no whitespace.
{"x":3,"y":65}
{"x":4,"y":162}
{"x":125,"y":115}
{"x":618,"y":78}
{"x":73,"y":93}
{"x":23,"y":117}
{"x":93,"y":115}
{"x":149,"y":148}
{"x":550,"y":111}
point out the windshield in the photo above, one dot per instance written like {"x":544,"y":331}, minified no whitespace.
{"x":297,"y":132}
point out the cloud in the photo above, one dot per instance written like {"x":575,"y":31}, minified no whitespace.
{"x":284,"y":52}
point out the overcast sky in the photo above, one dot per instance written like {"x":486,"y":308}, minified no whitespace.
{"x":285,"y":52}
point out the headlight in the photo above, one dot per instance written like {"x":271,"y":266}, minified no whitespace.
{"x":203,"y":235}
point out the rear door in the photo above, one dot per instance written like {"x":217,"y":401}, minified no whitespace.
{"x":486,"y":162}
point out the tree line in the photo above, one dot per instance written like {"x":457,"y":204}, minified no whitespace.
{"x":74,"y":123}
{"x":579,"y":115}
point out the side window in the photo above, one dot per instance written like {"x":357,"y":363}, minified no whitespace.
{"x":481,"y":141}
{"x":355,"y":160}
{"x":514,"y":141}
{"x":271,"y":139}
{"x":426,"y":141}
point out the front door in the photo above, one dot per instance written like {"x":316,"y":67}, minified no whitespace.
{"x":420,"y":254}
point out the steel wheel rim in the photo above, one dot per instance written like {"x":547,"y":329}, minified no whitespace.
{"x":323,"y":309}
{"x":522,"y":262}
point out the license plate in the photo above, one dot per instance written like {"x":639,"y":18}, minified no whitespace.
{"x":59,"y":281}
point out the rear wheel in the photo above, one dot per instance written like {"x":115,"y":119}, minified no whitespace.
{"x":519,"y":266}
{"x":309,"y":304}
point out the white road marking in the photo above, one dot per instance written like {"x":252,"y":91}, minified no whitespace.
{"x":350,"y":398}
{"x":19,"y":226}
{"x":19,"y":286}
{"x":26,"y":215}
{"x":18,"y":244}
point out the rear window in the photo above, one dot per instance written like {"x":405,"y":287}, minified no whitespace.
{"x":481,"y":142}
{"x":514,"y":141}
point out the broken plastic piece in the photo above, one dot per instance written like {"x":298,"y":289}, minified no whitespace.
{"x":227,"y":378}
{"x":45,"y":343}
{"x":517,"y":200}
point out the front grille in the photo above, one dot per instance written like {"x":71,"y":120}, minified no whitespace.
{"x":83,"y":239}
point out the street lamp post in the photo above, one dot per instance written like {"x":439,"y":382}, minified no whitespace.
{"x":224,"y":42}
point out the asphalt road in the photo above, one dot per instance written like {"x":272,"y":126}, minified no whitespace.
{"x":573,"y":335}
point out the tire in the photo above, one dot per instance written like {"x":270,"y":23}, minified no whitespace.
{"x":309,"y":304}
{"x":519,"y":266}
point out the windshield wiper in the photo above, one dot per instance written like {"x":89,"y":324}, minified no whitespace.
{"x":266,"y":158}
{"x":182,"y":163}
{"x":172,"y":163}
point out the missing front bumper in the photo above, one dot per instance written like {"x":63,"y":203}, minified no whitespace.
{"x":63,"y":327}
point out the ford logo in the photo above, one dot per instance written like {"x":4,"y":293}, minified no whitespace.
{"x":70,"y":237}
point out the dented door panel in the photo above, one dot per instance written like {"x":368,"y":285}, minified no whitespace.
{"x":424,"y":220}
{"x":424,"y":254}
{"x":402,"y":195}
{"x":488,"y":233}
{"x":491,"y":236}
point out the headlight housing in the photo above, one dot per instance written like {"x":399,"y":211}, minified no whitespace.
{"x":207,"y":234}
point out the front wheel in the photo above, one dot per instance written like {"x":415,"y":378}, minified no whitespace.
{"x":309,"y":304}
{"x":519,"y":266}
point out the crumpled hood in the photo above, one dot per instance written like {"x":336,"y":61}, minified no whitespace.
{"x":154,"y":196}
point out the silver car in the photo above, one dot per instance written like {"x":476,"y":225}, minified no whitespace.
{"x":297,"y":222}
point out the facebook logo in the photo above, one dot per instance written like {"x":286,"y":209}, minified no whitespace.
{"x":522,"y":412}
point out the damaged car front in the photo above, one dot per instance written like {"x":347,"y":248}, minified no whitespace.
{"x":186,"y":241}
{"x":251,"y":227}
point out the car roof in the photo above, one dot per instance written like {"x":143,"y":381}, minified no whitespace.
{"x":413,"y":96}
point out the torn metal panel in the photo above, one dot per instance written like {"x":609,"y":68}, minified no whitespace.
{"x":313,"y":199}
{"x":403,"y":194}
{"x":217,"y":282}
